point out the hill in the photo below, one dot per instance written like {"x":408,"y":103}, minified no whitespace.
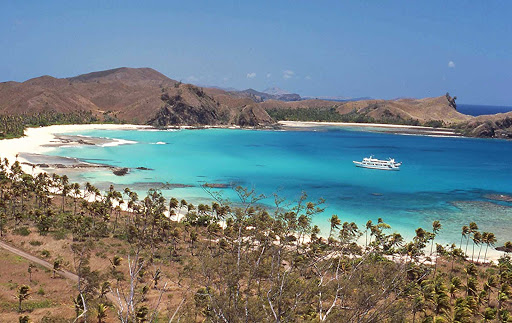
{"x":137,"y":95}
{"x":145,"y":96}
{"x":274,"y":94}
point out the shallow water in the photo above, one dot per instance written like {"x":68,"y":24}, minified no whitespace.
{"x":441,"y":178}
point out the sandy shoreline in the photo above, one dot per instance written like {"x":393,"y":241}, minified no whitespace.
{"x":393,"y":128}
{"x":43,"y":139}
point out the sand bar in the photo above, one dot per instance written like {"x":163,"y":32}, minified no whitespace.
{"x":43,"y":139}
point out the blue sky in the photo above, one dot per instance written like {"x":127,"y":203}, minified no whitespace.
{"x":382,"y":49}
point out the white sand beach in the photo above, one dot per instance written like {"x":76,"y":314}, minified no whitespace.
{"x":419,"y":130}
{"x":39,"y":140}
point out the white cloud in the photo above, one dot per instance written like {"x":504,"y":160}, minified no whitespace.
{"x":308,"y":77}
{"x":288,"y":74}
{"x":251,"y":75}
{"x":451,"y":64}
{"x":269,"y":75}
{"x":192,"y":78}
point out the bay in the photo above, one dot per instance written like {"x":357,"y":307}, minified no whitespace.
{"x":442,"y":178}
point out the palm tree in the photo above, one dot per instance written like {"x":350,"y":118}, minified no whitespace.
{"x":23,"y":294}
{"x":491,"y":240}
{"x":369,"y":225}
{"x":102,"y":312}
{"x":477,"y":239}
{"x":56,"y":266}
{"x":29,"y":270}
{"x":24,"y":319}
{"x":472,"y":229}
{"x":465,"y":232}
{"x":335,"y":223}
{"x":436,"y":226}
{"x":104,"y":289}
{"x":483,"y":241}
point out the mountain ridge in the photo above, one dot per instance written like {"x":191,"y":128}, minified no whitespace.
{"x":146,"y":96}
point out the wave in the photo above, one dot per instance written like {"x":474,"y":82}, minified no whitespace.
{"x":118,"y":142}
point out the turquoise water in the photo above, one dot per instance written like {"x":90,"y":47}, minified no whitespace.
{"x":441,"y":178}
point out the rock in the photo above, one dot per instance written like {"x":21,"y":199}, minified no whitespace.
{"x":121,"y":171}
{"x":216,"y":185}
{"x":504,"y":249}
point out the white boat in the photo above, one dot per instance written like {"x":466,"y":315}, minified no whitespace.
{"x":374,"y":163}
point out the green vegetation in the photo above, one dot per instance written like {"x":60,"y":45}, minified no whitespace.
{"x":330,"y":114}
{"x":14,"y":126}
{"x":242,"y":262}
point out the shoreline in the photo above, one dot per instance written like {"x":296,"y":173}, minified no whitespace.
{"x":391,"y":128}
{"x":43,"y":139}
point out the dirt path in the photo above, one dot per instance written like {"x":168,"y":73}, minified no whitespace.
{"x":64,"y":273}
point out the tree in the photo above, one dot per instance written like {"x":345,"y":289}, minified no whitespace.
{"x":56,"y":266}
{"x":101,"y":310}
{"x":23,"y":294}
{"x":436,"y":226}
{"x":29,"y":270}
{"x":477,"y":239}
{"x":24,"y":319}
{"x":335,"y":223}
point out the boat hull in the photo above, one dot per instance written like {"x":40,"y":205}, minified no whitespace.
{"x":379,"y":167}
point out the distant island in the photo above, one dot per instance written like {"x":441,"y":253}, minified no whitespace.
{"x":145,"y":96}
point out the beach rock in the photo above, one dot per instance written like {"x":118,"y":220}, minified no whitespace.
{"x":216,"y":185}
{"x":121,"y":171}
{"x":143,"y":168}
{"x":504,"y":249}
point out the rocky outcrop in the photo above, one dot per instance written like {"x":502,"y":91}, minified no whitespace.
{"x":489,"y":126}
{"x":254,"y":116}
{"x":177,"y":112}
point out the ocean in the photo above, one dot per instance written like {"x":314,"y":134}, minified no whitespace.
{"x":478,"y":110}
{"x":450,"y":179}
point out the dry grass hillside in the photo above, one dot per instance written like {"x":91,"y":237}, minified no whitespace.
{"x":129,"y":94}
{"x":145,"y":96}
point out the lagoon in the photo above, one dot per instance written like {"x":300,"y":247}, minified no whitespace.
{"x":442,"y":178}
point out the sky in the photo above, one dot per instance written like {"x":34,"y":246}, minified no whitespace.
{"x":379,"y":49}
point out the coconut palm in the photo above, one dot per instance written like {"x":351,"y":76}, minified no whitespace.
{"x":491,"y":240}
{"x":436,"y":226}
{"x":369,"y":225}
{"x":477,"y":239}
{"x":465,"y":233}
{"x":56,"y":266}
{"x":472,"y":229}
{"x":335,"y":223}
{"x":24,"y":319}
{"x":482,"y":242}
{"x":101,"y":309}
{"x":23,"y":294}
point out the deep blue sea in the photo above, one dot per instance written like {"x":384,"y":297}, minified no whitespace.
{"x":441,"y":178}
{"x":478,"y":110}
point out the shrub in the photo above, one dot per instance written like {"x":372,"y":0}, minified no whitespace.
{"x":22,"y":231}
{"x":35,"y":243}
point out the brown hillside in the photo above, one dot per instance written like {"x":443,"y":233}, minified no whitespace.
{"x":145,"y":96}
{"x":130,"y":94}
{"x":494,"y":126}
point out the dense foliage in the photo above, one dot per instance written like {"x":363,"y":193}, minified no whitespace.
{"x":332,"y":115}
{"x":239,"y":262}
{"x":12,"y":126}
